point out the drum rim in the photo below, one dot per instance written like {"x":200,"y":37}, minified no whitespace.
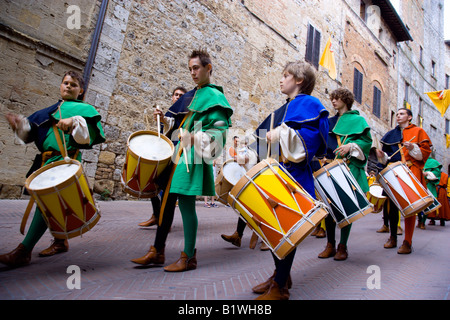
{"x":241,"y":184}
{"x":333,"y":164}
{"x":153,"y":133}
{"x":60,"y":185}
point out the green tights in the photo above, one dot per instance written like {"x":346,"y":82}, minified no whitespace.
{"x":190,"y":223}
{"x":36,"y":230}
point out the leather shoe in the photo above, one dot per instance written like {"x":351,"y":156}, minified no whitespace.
{"x":150,"y":222}
{"x":405,"y":248}
{"x":16,"y":258}
{"x":391,"y":243}
{"x":152,"y":256}
{"x":341,"y":252}
{"x":329,"y":251}
{"x":183,"y":264}
{"x":58,"y":246}
{"x":274,"y":293}
{"x":263,"y":287}
{"x":235,"y":239}
{"x":383,"y":229}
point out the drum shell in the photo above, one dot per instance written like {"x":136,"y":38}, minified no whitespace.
{"x":287,"y":238}
{"x":132,"y":180}
{"x":222,"y":184}
{"x":420,"y":195}
{"x":341,"y":213}
{"x":377,"y":201}
{"x":50,"y":201}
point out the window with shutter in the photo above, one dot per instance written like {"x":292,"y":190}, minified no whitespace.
{"x":376,"y":101}
{"x":313,"y":46}
{"x":358,"y":86}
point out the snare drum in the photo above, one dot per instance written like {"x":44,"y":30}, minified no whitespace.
{"x":433,"y":207}
{"x":62,"y":193}
{"x":228,"y":176}
{"x":275,"y":206}
{"x":337,"y":187}
{"x":147,"y":156}
{"x":404,"y":189}
{"x":375,"y":197}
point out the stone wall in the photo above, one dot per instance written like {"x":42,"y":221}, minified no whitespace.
{"x":37,"y":47}
{"x":143,"y":55}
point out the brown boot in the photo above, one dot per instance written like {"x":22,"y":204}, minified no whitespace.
{"x":152,"y":256}
{"x":314,"y":233}
{"x":405,"y":248}
{"x":16,"y":258}
{"x":183,"y":264}
{"x":329,"y":251}
{"x":58,"y":246}
{"x":391,"y":243}
{"x":235,"y":239}
{"x":399,"y":231}
{"x":150,"y":222}
{"x":341,"y":252}
{"x":383,"y":229}
{"x":274,"y":293}
{"x":321,"y":233}
{"x":264,"y":246}
{"x":263,"y":287}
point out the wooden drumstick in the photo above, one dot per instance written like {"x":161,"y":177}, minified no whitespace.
{"x":389,"y":158}
{"x":158,"y":122}
{"x":185,"y":153}
{"x":66,"y":155}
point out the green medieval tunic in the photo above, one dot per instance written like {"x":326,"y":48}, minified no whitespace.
{"x":351,"y":127}
{"x":434,"y":167}
{"x":209,"y":113}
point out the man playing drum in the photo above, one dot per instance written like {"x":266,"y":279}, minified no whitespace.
{"x":414,"y":153}
{"x":349,"y":138}
{"x":202,"y":138}
{"x":156,"y":201}
{"x":82,"y":129}
{"x":300,"y":127}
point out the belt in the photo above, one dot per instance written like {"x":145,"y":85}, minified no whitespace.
{"x":50,"y":154}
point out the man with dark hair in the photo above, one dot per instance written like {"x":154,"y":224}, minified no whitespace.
{"x":415,"y":152}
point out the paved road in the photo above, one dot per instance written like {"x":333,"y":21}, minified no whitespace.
{"x":224,"y":272}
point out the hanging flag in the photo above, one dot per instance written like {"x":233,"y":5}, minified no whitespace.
{"x":447,"y":140}
{"x":441,"y":100}
{"x":327,"y":60}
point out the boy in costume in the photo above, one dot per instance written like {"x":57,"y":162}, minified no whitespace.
{"x":300,"y":127}
{"x":415,"y":152}
{"x":82,"y":129}
{"x":349,"y":138}
{"x":437,"y":182}
{"x":203,"y":136}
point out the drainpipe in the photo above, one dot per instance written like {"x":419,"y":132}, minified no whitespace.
{"x":94,"y":45}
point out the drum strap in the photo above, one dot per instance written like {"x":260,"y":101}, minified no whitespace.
{"x":25,"y":215}
{"x":58,"y":140}
{"x":45,"y":157}
{"x":169,"y":183}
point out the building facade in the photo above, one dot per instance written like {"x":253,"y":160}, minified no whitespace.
{"x":142,"y":55}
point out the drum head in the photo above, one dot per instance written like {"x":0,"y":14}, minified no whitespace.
{"x":377,"y":191}
{"x":54,"y":176}
{"x":150,"y":147}
{"x":233,"y":172}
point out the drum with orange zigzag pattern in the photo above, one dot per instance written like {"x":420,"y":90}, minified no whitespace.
{"x":62,"y":193}
{"x":276,"y":206}
{"x":404,"y":189}
{"x":147,"y":156}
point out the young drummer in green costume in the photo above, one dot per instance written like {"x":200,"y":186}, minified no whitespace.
{"x":82,"y":129}
{"x":202,"y":138}
{"x":349,"y":138}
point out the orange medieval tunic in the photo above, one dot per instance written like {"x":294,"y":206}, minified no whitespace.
{"x":423,"y":141}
